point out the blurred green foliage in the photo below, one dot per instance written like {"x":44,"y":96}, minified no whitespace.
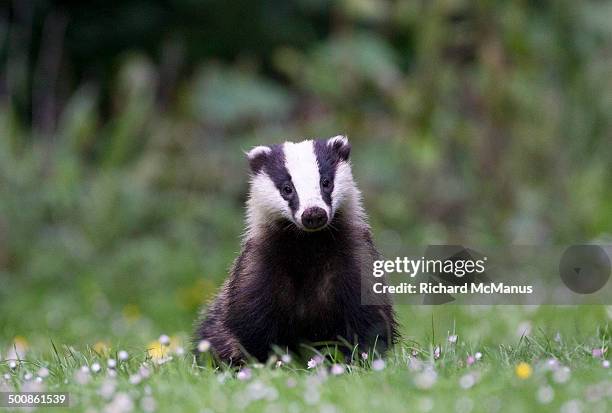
{"x":122,"y":178}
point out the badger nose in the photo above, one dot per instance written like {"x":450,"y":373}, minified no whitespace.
{"x":314,"y":218}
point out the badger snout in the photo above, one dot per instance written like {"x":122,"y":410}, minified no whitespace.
{"x":314,"y":218}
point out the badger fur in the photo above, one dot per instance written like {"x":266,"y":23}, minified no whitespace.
{"x":306,"y":260}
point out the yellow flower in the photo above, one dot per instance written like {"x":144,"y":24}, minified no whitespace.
{"x":21,"y":344}
{"x":18,"y":349}
{"x":523,"y":370}
{"x":101,"y":347}
{"x":157,"y":350}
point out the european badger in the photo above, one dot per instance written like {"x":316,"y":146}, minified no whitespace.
{"x":306,"y":260}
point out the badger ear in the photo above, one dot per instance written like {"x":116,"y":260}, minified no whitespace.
{"x":257,"y":157}
{"x":340,"y":146}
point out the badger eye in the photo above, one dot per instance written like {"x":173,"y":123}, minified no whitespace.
{"x":325,"y":183}
{"x":287,"y":190}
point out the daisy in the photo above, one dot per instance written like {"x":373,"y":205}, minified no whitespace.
{"x":164,"y":340}
{"x":337,"y":369}
{"x":244,"y":374}
{"x":378,"y":365}
{"x":470,"y":360}
{"x":523,"y":370}
{"x":203,"y":346}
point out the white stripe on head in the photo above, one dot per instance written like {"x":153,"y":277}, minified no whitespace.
{"x":265,"y":204}
{"x":301,"y":162}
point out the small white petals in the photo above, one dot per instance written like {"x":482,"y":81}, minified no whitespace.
{"x":364,"y":356}
{"x":107,"y":389}
{"x":144,"y":371}
{"x":562,"y":375}
{"x":164,"y":340}
{"x":467,"y":381}
{"x":315,"y":361}
{"x":572,"y":406}
{"x":524,"y":329}
{"x":478,"y":355}
{"x":605,"y":364}
{"x":28,"y":376}
{"x":378,"y":365}
{"x":337,"y":369}
{"x":95,"y":367}
{"x":286,"y":358}
{"x":43,"y":372}
{"x":12,"y":364}
{"x":163,"y":360}
{"x":426,"y":379}
{"x":123,"y":355}
{"x":244,"y":374}
{"x":121,"y":403}
{"x":414,"y":364}
{"x":111,"y":363}
{"x":81,"y":376}
{"x":452,"y":338}
{"x":135,"y":379}
{"x":545,"y":395}
{"x":552,"y":364}
{"x":437,"y":352}
{"x":148,"y":404}
{"x":203,"y":346}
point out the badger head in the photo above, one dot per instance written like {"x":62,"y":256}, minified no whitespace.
{"x":303,"y":183}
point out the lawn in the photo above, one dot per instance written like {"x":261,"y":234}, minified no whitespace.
{"x":453,"y":358}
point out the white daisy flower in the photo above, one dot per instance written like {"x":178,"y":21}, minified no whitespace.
{"x":164,"y":340}
{"x":203,"y":346}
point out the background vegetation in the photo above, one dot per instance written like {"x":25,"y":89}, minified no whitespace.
{"x":122,"y":131}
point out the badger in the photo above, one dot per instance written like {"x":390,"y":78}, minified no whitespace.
{"x":305,"y":264}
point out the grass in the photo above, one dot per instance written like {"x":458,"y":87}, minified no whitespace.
{"x":552,"y":345}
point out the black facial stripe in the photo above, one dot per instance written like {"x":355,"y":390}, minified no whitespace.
{"x":277,"y":171}
{"x":328,"y":160}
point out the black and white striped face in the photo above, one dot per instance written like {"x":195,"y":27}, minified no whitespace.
{"x":305,"y":182}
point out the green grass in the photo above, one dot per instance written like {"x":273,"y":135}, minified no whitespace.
{"x":411,"y":380}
